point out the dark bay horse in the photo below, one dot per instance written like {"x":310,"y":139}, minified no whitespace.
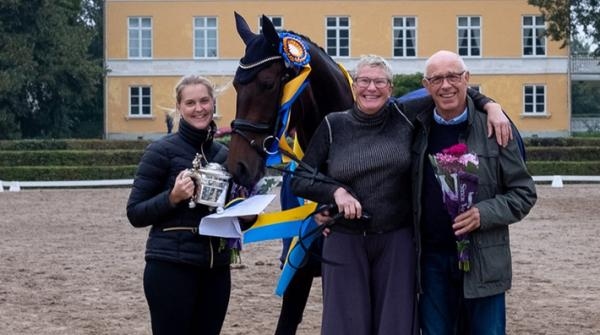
{"x":264,"y":70}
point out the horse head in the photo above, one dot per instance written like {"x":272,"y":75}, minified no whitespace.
{"x":271,"y":60}
{"x":258,"y":82}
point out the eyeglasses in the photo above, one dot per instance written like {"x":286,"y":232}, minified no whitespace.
{"x":452,"y":78}
{"x":364,"y":82}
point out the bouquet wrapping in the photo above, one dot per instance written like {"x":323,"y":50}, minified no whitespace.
{"x":456,"y":172}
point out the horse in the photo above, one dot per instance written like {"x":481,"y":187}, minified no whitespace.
{"x":266,"y":67}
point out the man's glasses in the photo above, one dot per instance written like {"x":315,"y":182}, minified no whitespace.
{"x":364,"y":82}
{"x":452,"y":78}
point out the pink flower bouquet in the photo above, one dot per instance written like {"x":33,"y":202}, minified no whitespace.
{"x":456,"y":171}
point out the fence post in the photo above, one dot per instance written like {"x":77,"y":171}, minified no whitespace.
{"x":15,"y":187}
{"x":557,"y":181}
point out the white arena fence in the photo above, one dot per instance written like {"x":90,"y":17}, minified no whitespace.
{"x":15,"y":186}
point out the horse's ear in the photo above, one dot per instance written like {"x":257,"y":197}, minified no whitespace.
{"x":243,"y":29}
{"x":270,"y":32}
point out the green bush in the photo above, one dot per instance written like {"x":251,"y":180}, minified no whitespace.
{"x":544,"y":168}
{"x":68,"y":144}
{"x":563,"y":153}
{"x":70,"y":157}
{"x":50,"y":173}
{"x":561,"y":141}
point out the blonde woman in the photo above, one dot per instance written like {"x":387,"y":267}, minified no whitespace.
{"x":187,"y":279}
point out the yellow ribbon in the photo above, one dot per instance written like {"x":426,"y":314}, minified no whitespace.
{"x":296,"y":213}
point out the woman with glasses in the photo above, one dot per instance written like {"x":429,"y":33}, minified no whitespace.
{"x":369,"y":256}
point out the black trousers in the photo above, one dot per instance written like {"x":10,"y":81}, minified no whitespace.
{"x":185,"y":299}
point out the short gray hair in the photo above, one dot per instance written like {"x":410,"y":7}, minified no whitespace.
{"x":374,"y":61}
{"x":444,"y":53}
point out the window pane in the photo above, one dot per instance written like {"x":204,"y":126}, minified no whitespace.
{"x":539,"y":21}
{"x":539,"y":98}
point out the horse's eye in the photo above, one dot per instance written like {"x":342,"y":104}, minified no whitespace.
{"x":266,"y":85}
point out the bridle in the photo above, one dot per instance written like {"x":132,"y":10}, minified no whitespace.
{"x":242,"y":126}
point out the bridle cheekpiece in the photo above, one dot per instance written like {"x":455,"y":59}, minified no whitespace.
{"x":294,"y":52}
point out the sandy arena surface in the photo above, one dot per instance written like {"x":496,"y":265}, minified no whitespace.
{"x":70,"y":263}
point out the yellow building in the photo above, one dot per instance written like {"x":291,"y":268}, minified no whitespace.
{"x":150,"y":44}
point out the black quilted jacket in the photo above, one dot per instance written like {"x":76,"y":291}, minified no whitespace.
{"x":148,"y":203}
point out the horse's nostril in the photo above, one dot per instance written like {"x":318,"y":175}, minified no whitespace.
{"x":240,"y":169}
{"x":241,"y":175}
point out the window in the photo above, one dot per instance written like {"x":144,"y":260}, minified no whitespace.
{"x":405,"y":32}
{"x":534,"y":99}
{"x":205,"y":37}
{"x":469,"y":36}
{"x":277,"y":23}
{"x":534,"y":36}
{"x":338,"y":36}
{"x":139,"y":101}
{"x":140,"y":37}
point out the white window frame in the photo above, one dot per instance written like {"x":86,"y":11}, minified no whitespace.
{"x":139,"y":31}
{"x":404,"y":29}
{"x":335,"y":42}
{"x":201,"y":34}
{"x":140,"y":106}
{"x":278,"y":27}
{"x":470,"y":28}
{"x":534,"y":103}
{"x":536,"y":29}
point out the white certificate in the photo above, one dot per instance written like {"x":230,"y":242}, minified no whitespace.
{"x":225,"y":224}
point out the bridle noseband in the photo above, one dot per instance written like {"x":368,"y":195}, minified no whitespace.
{"x":239,"y":126}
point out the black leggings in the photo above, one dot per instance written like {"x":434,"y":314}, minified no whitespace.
{"x":184,"y":299}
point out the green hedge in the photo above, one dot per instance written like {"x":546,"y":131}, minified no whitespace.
{"x":70,"y":157}
{"x":41,"y":160}
{"x":545,"y":168}
{"x":51,"y":173}
{"x":69,"y":144}
{"x":563,"y":153}
{"x":562,"y":142}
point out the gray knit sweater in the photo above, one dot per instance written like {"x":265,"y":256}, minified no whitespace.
{"x":371,"y":155}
